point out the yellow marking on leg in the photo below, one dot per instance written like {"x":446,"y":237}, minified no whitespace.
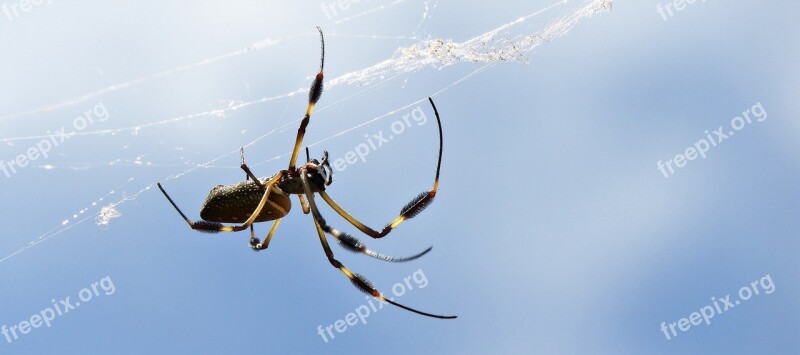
{"x":397,"y":221}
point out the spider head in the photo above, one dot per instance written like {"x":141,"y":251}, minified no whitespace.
{"x":322,"y":168}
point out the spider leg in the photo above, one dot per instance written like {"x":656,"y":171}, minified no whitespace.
{"x":256,"y":244}
{"x":359,"y":281}
{"x":313,"y":95}
{"x":303,"y":204}
{"x":351,"y":243}
{"x":247,"y":171}
{"x":213,"y":227}
{"x":300,"y":197}
{"x":412,"y":209}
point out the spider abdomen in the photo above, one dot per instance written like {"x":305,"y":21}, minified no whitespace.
{"x":236,"y":203}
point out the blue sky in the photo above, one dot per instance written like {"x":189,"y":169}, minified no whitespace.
{"x":554,"y":231}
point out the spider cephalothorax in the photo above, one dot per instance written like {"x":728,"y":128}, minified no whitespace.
{"x":319,"y":176}
{"x":268,"y":199}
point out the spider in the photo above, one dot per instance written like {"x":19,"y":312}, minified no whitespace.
{"x":260,"y":200}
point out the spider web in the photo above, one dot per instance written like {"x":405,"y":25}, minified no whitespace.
{"x":488,"y":49}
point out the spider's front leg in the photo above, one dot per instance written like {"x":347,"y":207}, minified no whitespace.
{"x":349,"y":242}
{"x":314,"y":94}
{"x":412,"y":209}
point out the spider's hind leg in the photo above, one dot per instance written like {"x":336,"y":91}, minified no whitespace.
{"x":213,"y":227}
{"x":247,"y":171}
